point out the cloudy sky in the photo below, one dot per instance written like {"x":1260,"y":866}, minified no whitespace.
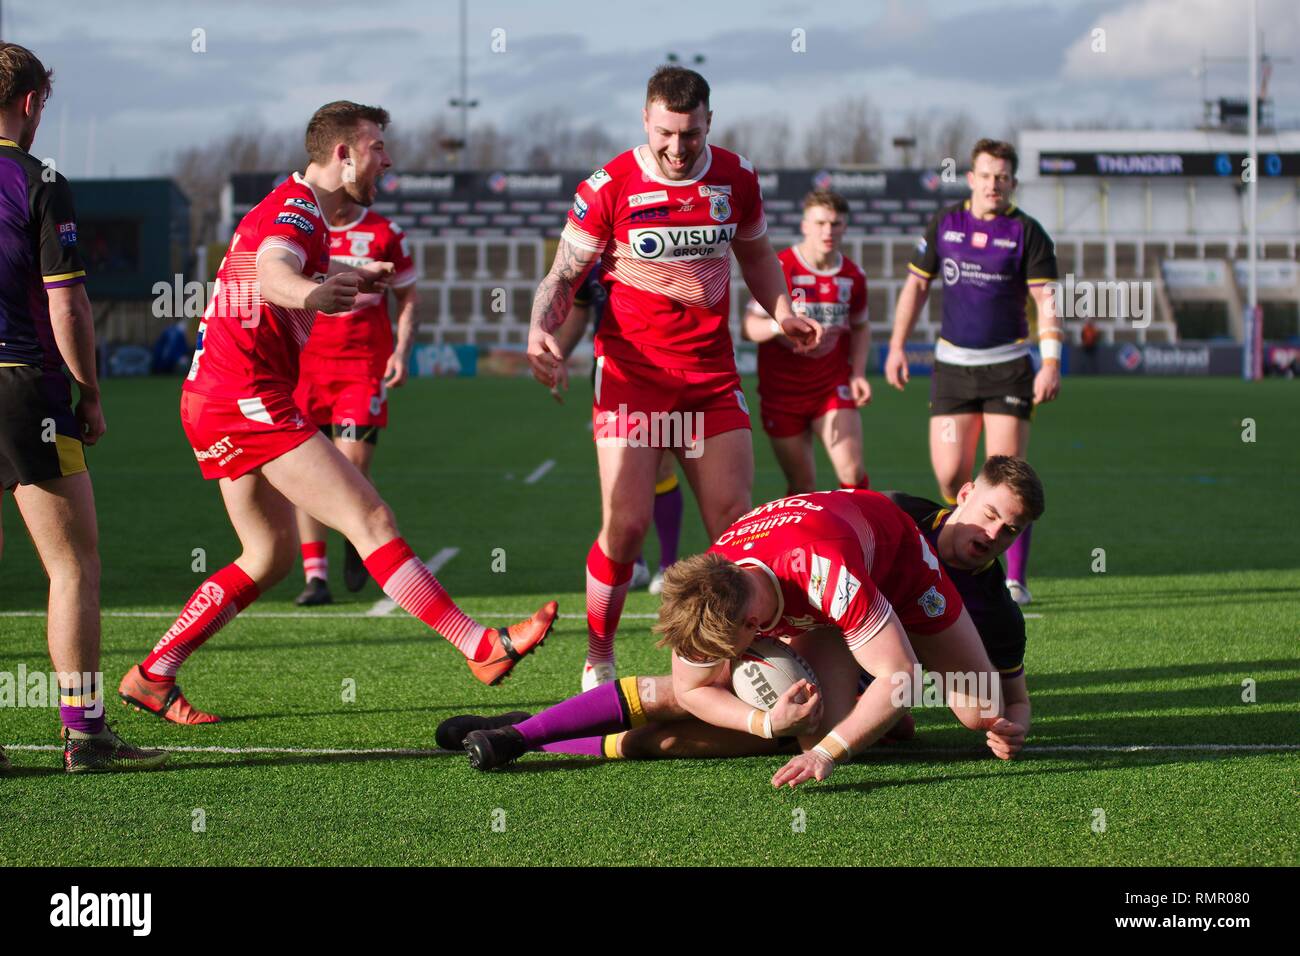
{"x":130,"y":89}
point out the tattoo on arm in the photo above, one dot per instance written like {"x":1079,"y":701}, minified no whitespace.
{"x":554,"y":296}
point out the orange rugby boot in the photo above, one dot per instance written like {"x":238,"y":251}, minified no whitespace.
{"x":513,"y":644}
{"x":161,"y":698}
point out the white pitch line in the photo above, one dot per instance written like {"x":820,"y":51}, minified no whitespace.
{"x":884,"y":752}
{"x":384,"y":605}
{"x":540,"y":472}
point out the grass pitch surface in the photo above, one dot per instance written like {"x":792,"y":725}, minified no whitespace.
{"x":1137,"y":674}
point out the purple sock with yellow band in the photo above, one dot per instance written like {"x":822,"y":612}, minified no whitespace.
{"x":81,"y":707}
{"x":603,"y":710}
{"x":604,"y":746}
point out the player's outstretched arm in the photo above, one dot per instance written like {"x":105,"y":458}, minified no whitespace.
{"x":761,"y":327}
{"x":1015,"y":698}
{"x":888,"y":657}
{"x":551,"y":307}
{"x":910,"y":300}
{"x":761,"y":270}
{"x":281,"y":282}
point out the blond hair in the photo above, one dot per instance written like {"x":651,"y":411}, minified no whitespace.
{"x":704,"y":602}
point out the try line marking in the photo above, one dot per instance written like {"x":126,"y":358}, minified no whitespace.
{"x":941,"y":752}
{"x":540,"y":471}
{"x":384,"y":605}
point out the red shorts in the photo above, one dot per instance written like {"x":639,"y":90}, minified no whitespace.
{"x":784,"y":416}
{"x":231,"y":437}
{"x":645,"y":405}
{"x":339,"y":394}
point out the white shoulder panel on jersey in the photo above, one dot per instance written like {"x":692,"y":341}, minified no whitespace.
{"x":597,"y":179}
{"x":745,"y":164}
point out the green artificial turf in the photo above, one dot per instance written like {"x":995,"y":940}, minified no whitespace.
{"x":1198,"y":596}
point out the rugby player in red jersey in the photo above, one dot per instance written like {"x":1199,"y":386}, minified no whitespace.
{"x":809,"y":567}
{"x":662,"y":218}
{"x":249,"y":435}
{"x":348,"y":365}
{"x":589,"y":302}
{"x":816,"y":393}
{"x":992,"y":257}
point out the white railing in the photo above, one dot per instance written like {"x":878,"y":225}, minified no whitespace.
{"x":478,"y":290}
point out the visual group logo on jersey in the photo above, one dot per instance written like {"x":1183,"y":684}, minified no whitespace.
{"x":669,"y":242}
{"x":76,"y":909}
{"x":67,"y":233}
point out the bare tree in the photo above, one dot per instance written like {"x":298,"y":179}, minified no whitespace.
{"x":766,"y":140}
{"x":847,"y":132}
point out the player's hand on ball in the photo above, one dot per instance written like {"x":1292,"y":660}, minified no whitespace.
{"x":799,"y":710}
{"x":806,"y":766}
{"x":806,"y":333}
{"x":896,"y":368}
{"x":336,"y":294}
{"x":860,"y":388}
{"x":547,"y":361}
{"x":1004,"y":737}
{"x":1047,"y":383}
{"x":375,"y":276}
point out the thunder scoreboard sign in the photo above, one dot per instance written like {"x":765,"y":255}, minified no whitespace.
{"x":1162,"y":164}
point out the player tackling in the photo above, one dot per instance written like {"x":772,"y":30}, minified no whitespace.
{"x":249,"y":435}
{"x":816,"y":610}
{"x":662,"y":218}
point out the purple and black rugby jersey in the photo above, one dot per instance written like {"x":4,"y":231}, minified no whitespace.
{"x":987,"y":267}
{"x":38,"y":251}
{"x":994,"y":612}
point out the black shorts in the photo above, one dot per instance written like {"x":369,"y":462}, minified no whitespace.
{"x":1004,"y":388}
{"x":40,"y":438}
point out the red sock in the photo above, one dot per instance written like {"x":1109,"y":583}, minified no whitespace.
{"x":864,"y":484}
{"x":314,"y":562}
{"x":607,"y":584}
{"x":209,"y":609}
{"x":415,"y":590}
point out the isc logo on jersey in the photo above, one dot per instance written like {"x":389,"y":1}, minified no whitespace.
{"x":667,"y":242}
{"x":301,"y":203}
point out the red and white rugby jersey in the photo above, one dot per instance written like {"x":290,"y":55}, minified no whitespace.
{"x":833,"y":558}
{"x":365,"y":333}
{"x":833,"y":297}
{"x":247,"y":346}
{"x":664,"y":248}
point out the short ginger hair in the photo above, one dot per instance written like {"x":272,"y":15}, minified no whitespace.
{"x":704,"y":602}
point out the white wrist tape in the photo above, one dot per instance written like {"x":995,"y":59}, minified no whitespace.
{"x":1050,"y":348}
{"x":833,"y":748}
{"x":776,"y":329}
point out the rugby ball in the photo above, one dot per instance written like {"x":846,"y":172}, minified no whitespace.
{"x":766,"y":671}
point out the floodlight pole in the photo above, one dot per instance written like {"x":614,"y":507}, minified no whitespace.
{"x":1254,"y":327}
